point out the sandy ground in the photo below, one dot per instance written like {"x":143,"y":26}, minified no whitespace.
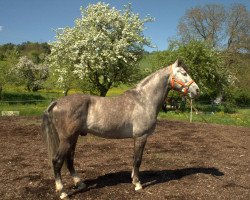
{"x":181,"y":161}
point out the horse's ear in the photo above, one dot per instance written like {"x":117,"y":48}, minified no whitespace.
{"x":179,"y":62}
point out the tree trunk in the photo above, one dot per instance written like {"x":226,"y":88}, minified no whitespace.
{"x":103,"y":92}
{"x":65,"y":92}
{"x":101,"y":87}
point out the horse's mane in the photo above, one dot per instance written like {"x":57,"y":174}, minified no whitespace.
{"x":142,"y":83}
{"x":148,"y":78}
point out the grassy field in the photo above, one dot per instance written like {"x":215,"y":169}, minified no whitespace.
{"x":240,"y":118}
{"x":36,"y":107}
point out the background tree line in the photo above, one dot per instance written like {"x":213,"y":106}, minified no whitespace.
{"x":106,"y":48}
{"x":227,"y":30}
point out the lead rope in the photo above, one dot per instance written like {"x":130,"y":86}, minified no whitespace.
{"x":191,"y":110}
{"x":195,"y":109}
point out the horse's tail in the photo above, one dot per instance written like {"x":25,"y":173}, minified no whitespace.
{"x":50,"y":134}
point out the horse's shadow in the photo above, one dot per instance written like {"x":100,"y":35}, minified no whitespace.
{"x":148,"y":178}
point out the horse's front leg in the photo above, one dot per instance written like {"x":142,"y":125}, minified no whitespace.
{"x":139,"y":144}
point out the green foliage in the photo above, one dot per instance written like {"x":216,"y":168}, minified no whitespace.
{"x":242,"y":98}
{"x":9,"y":57}
{"x":227,"y":29}
{"x":230,"y":107}
{"x":34,"y":51}
{"x":205,"y":65}
{"x":154,"y":61}
{"x":6,"y":51}
{"x":17,"y":96}
{"x":242,"y":93}
{"x":8,"y":60}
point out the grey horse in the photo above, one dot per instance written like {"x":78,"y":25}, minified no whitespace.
{"x":132,"y":114}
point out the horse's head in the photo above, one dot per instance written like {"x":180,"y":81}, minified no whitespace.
{"x":181,"y":81}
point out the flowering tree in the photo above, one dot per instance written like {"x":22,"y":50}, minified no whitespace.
{"x":29,"y":74}
{"x":101,"y":49}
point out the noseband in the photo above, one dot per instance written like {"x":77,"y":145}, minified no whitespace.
{"x":174,"y":80}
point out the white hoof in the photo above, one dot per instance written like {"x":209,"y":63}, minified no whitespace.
{"x":59,"y":186}
{"x":63,"y":195}
{"x":138,"y":186}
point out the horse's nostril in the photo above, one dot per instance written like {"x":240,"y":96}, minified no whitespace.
{"x":197,"y":91}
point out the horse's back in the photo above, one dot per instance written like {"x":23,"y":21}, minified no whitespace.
{"x":110,"y":117}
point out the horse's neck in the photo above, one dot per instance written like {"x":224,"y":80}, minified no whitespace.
{"x":154,"y":89}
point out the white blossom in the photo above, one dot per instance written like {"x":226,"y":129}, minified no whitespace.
{"x":102,"y":40}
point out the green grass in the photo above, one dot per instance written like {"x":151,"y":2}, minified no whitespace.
{"x":117,"y":90}
{"x":240,"y":118}
{"x":32,"y":109}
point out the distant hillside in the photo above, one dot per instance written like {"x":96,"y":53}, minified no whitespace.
{"x":35,"y":51}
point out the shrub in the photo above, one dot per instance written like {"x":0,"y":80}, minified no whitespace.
{"x":14,"y":97}
{"x":230,"y":107}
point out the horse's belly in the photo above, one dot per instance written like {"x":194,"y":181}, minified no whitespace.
{"x":116,"y":134}
{"x":109,"y":131}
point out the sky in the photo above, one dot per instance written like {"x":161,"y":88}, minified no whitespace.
{"x":37,"y":20}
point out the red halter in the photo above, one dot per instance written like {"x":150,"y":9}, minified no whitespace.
{"x":184,"y":85}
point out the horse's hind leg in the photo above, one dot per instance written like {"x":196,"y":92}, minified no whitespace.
{"x":139,"y":144}
{"x":70,"y":164}
{"x":58,"y":160}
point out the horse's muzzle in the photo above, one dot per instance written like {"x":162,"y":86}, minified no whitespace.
{"x":194,"y":91}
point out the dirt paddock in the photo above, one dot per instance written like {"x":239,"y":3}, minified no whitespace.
{"x":181,"y":161}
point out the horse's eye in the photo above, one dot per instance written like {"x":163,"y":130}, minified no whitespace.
{"x":184,"y":73}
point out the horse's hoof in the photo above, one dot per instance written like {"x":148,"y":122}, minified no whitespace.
{"x":138,"y":186}
{"x":64,"y":196}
